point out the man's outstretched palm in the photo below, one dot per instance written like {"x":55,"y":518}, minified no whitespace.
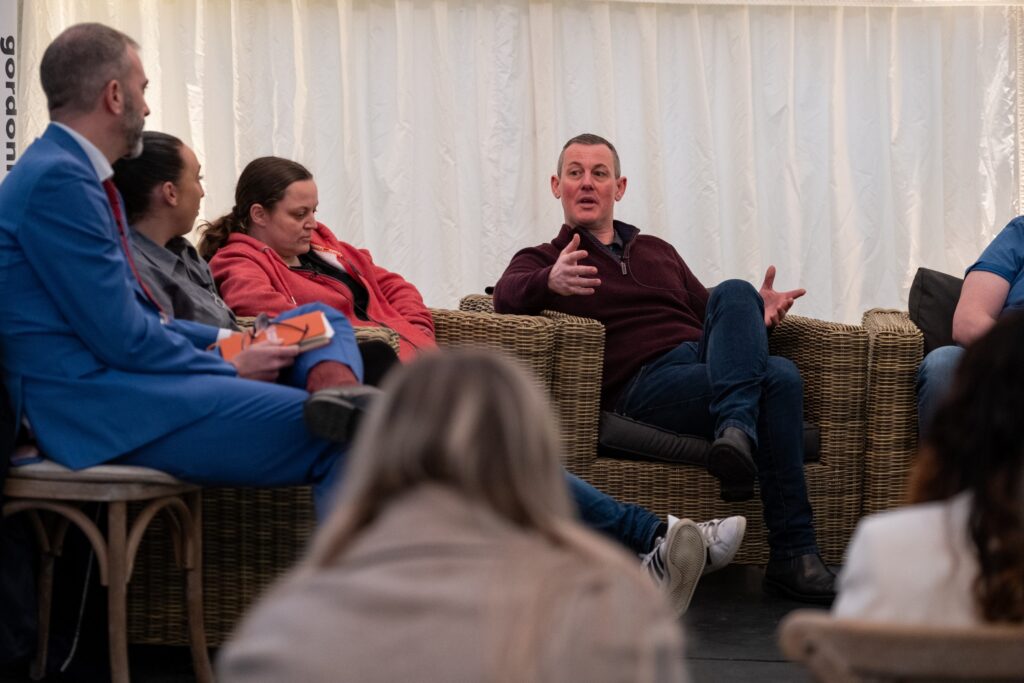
{"x":776,"y":304}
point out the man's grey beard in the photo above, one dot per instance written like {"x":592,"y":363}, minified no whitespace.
{"x":132,"y":125}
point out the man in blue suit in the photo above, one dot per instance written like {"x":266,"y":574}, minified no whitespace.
{"x":100,"y":373}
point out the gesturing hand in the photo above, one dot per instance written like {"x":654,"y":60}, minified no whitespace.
{"x":776,"y":304}
{"x":264,"y":360}
{"x":567,"y":277}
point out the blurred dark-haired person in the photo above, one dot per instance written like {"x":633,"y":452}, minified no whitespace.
{"x":956,"y":555}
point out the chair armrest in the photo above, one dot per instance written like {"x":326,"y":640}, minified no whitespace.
{"x":833,"y":360}
{"x":384,"y":334}
{"x":576,"y":383}
{"x":478,"y":303}
{"x":575,"y":380}
{"x":897,"y":348}
{"x":526,"y":338}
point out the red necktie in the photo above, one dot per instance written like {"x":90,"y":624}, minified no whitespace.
{"x":115,"y":206}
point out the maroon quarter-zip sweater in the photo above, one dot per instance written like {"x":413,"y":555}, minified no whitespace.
{"x":649,"y":302}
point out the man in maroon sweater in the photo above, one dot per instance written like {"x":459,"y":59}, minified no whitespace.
{"x":678,"y":358}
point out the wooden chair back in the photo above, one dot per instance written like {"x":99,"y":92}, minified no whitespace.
{"x":849,"y":650}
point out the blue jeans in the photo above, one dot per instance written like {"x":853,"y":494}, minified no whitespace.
{"x":934,"y":378}
{"x":631,"y":525}
{"x":257,"y":436}
{"x":729,"y":380}
{"x":342,"y":348}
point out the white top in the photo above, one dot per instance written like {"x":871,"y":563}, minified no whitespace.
{"x":914,"y":565}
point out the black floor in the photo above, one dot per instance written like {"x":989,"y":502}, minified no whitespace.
{"x":730,"y":630}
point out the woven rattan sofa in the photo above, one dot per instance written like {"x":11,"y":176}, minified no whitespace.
{"x":859,"y":390}
{"x":834,"y":362}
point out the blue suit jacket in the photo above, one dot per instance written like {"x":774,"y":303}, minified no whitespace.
{"x":85,"y":355}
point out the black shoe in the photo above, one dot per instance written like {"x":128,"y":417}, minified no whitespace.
{"x":334,"y":413}
{"x":731,"y":462}
{"x":804,"y":578}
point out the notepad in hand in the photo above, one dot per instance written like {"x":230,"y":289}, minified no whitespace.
{"x":309,"y":330}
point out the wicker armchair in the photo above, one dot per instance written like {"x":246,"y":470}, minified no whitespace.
{"x":832,"y":358}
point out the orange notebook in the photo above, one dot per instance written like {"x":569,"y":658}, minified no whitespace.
{"x":309,"y":330}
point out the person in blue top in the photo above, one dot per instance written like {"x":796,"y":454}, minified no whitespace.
{"x":993,"y":286}
{"x":99,"y":371}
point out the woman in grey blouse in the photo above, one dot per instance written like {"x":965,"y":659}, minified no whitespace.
{"x":162,"y":189}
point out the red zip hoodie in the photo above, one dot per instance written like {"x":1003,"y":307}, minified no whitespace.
{"x":252,"y":278}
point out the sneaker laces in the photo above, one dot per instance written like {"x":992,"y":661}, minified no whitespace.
{"x":654,"y":561}
{"x":709,"y":530}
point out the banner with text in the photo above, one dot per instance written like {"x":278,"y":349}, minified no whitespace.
{"x":9,"y":60}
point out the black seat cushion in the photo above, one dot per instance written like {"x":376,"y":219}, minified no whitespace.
{"x":933,"y":299}
{"x":624,"y":437}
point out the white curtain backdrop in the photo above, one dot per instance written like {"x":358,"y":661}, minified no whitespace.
{"x":847,"y":143}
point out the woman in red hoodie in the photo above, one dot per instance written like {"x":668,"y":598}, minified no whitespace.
{"x":270,"y":254}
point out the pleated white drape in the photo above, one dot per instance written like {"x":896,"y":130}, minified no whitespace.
{"x":847,"y":143}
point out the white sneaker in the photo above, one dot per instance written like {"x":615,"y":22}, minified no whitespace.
{"x":722,"y":538}
{"x":677,"y":561}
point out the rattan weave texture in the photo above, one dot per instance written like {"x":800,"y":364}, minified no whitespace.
{"x":832,"y":359}
{"x":897,"y":347}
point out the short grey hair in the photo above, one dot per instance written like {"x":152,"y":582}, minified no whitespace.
{"x":79,"y":63}
{"x":590,"y":139}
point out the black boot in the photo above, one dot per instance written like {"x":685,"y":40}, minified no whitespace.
{"x":804,"y":578}
{"x":334,"y":413}
{"x":731,"y":462}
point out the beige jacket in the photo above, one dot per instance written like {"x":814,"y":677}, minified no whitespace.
{"x":438,"y":589}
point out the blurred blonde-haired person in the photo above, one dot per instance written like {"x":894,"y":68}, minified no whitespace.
{"x":452,"y":554}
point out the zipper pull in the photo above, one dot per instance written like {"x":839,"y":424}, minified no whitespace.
{"x":622,"y":264}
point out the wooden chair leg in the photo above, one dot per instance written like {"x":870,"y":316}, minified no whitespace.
{"x":117,"y":611}
{"x":45,"y":599}
{"x":194,"y":590}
